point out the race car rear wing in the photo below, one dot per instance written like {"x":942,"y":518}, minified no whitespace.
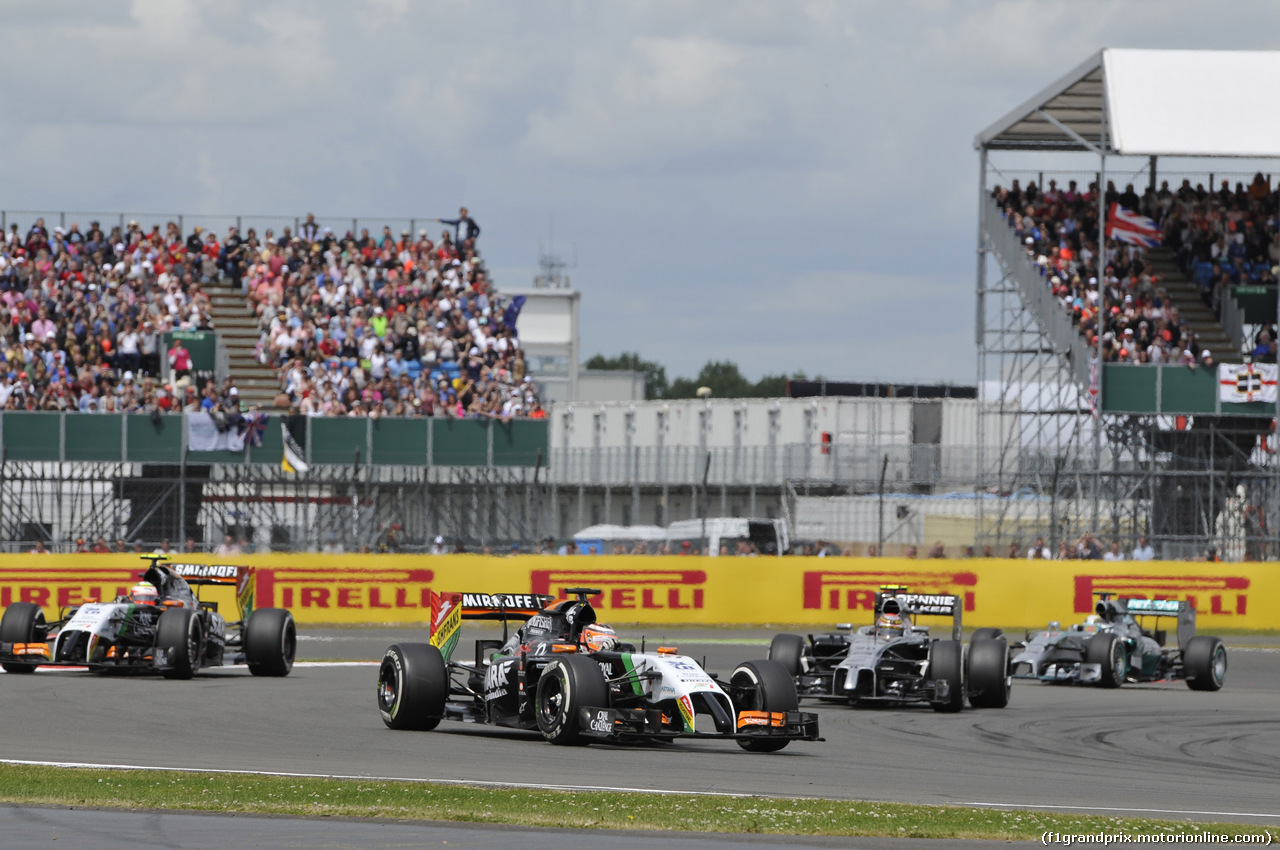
{"x":448,"y":610}
{"x":923,"y":604}
{"x":1178,"y":608}
{"x":205,"y":575}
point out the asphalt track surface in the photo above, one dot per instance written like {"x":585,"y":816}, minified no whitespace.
{"x":1156,"y":750}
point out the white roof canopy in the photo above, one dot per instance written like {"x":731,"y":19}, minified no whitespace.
{"x":1195,"y":103}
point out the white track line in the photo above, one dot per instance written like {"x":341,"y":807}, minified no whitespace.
{"x":1116,"y":809}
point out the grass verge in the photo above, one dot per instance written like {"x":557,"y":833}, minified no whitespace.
{"x":280,"y":795}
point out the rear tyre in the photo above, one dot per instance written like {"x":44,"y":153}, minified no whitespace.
{"x":946,"y":664}
{"x":181,"y":634}
{"x":787,"y":650}
{"x":23,"y":622}
{"x":767,"y":687}
{"x":566,"y":685}
{"x":270,"y":642}
{"x":1107,"y":650}
{"x":413,"y":683}
{"x":985,"y":634}
{"x":988,"y":673}
{"x":1204,"y":663}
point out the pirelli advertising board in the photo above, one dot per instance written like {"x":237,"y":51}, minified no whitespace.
{"x":638,"y":589}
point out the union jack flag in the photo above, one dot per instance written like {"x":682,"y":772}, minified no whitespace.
{"x":253,"y":427}
{"x":1128,"y":226}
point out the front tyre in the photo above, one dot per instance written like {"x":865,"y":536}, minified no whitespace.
{"x":946,"y":664}
{"x":1204,"y":663}
{"x":270,"y":642}
{"x":766,"y":686}
{"x":23,"y":622}
{"x":787,"y":650}
{"x":182,"y":636}
{"x":413,"y":684}
{"x":988,"y":674}
{"x":567,"y":684}
{"x":1107,"y":650}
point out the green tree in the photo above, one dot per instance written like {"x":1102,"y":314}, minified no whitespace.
{"x":655,"y":374}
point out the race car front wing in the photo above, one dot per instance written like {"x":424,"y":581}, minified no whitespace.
{"x":620,"y":723}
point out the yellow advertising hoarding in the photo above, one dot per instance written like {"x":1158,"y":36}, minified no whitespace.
{"x":322,"y":589}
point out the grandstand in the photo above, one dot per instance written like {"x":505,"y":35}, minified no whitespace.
{"x":1128,"y":438}
{"x":355,"y":325}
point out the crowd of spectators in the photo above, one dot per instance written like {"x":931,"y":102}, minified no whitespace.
{"x":388,"y":325}
{"x":83,"y":313}
{"x":1234,"y":232}
{"x":354,"y":326}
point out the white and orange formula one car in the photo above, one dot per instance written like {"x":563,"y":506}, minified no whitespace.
{"x":160,"y":626}
{"x":569,"y":677}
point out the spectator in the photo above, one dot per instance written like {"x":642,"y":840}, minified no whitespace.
{"x":389,"y":540}
{"x":228,"y":546}
{"x":1113,"y":553}
{"x":1039,"y":551}
{"x":466,"y":231}
{"x":938,"y":550}
{"x":1015,"y":551}
{"x":1143,"y":551}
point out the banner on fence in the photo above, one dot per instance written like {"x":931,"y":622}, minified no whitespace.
{"x":334,"y":589}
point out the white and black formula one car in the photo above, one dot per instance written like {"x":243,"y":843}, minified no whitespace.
{"x":569,"y":677}
{"x":896,"y":661}
{"x":1112,"y":646}
{"x":161,"y":625}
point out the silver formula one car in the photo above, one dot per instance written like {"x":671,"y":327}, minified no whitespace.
{"x":896,"y":661}
{"x":1113,"y":646}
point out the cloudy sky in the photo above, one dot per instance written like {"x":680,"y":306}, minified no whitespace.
{"x":790,"y":185}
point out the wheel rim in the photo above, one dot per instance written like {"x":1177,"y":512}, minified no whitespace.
{"x":1117,"y":661}
{"x":551,"y":698}
{"x":388,"y":690}
{"x":1219,"y":664}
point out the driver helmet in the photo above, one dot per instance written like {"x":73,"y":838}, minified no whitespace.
{"x":889,"y":624}
{"x":598,"y":638}
{"x":144,"y":593}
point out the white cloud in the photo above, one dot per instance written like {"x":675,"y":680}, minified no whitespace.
{"x":788,"y":185}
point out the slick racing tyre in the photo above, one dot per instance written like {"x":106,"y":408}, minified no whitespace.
{"x":787,"y":650}
{"x":1204,"y":663}
{"x":413,"y":684}
{"x":567,"y":684}
{"x":946,"y":664}
{"x":270,"y":642}
{"x":985,"y":634}
{"x":181,"y":634}
{"x":767,"y":687}
{"x":23,"y":622}
{"x":988,"y":673}
{"x":1107,"y":650}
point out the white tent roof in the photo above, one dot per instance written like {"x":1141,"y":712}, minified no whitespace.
{"x":1209,"y":103}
